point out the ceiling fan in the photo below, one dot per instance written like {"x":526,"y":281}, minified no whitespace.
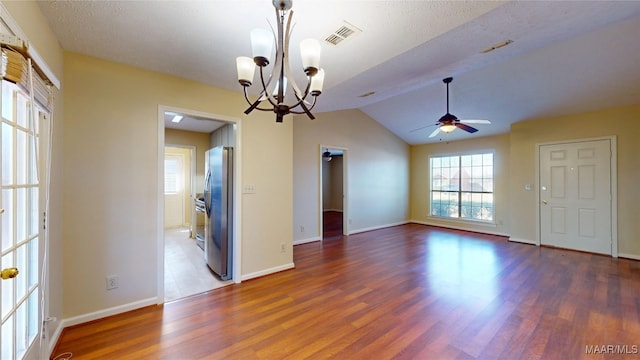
{"x":449,"y":122}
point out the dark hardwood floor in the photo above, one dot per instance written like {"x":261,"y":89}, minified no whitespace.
{"x":405,"y":292}
{"x":331,"y":224}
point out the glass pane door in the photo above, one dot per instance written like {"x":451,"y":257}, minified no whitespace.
{"x":20,"y":246}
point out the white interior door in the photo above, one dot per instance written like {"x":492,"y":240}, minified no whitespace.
{"x":22,"y":192}
{"x":575,"y":196}
{"x":174,"y":192}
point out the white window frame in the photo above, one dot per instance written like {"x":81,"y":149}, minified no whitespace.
{"x":459,"y":191}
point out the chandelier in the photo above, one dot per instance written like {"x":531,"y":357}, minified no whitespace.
{"x":275,"y":85}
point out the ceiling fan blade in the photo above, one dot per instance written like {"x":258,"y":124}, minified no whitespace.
{"x":466,"y":128}
{"x":435,"y":132}
{"x":475,"y":121}
{"x":422,"y":127}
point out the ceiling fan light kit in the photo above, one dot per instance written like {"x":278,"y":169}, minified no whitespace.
{"x":275,"y":84}
{"x":449,"y":122}
{"x":326,"y":156}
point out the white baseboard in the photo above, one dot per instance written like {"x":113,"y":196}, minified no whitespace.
{"x":523,"y":241}
{"x":629,"y":256}
{"x":305,"y":241}
{"x":356,"y":231}
{"x":268,"y":271}
{"x":107,"y":312}
{"x":53,"y":340}
{"x":462,"y":227}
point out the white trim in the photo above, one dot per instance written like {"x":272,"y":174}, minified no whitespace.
{"x":53,"y":340}
{"x":523,"y":241}
{"x":306,"y":241}
{"x":81,"y":319}
{"x":629,"y":256}
{"x":613,"y":147}
{"x":458,"y":227}
{"x":237,"y":216}
{"x":35,"y":55}
{"x":264,"y":272}
{"x":464,"y":221}
{"x":356,"y":231}
{"x":459,"y":191}
{"x":614,"y":196}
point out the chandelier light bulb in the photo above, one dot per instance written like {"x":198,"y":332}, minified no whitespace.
{"x":246,"y":69}
{"x":317,"y":82}
{"x":261,"y":46}
{"x":310,"y":52}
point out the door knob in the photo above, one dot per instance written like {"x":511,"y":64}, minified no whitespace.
{"x":9,"y":273}
{"x":544,"y":202}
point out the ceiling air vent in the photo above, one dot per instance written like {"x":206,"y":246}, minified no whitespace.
{"x":343,"y":32}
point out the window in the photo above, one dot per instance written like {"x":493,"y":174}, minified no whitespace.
{"x":171,"y":176}
{"x":462,"y":186}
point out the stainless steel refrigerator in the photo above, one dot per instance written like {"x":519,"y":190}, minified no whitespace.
{"x":218,"y":197}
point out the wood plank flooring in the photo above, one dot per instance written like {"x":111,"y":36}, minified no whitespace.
{"x":406,"y":292}
{"x":331,"y":224}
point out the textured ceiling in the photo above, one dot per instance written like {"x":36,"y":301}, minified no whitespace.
{"x":567,"y":56}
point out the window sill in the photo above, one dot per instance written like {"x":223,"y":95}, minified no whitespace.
{"x":461,"y":221}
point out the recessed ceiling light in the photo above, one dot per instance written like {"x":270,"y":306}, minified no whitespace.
{"x":177,"y":119}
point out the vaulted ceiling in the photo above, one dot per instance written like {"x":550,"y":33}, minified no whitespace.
{"x":566,"y":56}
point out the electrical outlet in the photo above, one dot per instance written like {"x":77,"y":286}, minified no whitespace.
{"x":112,"y":282}
{"x":301,"y":228}
{"x":282,"y":247}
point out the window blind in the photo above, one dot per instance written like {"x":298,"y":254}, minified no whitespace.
{"x":15,"y":68}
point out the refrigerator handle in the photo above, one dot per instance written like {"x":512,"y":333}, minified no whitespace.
{"x":207,"y":193}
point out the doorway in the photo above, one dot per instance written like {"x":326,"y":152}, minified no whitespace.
{"x":177,"y":187}
{"x":333,"y":206}
{"x":182,"y":269}
{"x":25,"y":130}
{"x":577,"y":195}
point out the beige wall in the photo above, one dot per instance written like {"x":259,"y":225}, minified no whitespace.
{"x":111,"y":162}
{"x":28,"y":16}
{"x":623,"y":122}
{"x":420,"y":180}
{"x":377,"y":171}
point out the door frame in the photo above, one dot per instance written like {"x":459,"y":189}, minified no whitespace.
{"x":614,"y":186}
{"x":237,"y":193}
{"x":345,"y":190}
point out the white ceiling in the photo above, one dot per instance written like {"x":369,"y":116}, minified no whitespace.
{"x":567,"y":56}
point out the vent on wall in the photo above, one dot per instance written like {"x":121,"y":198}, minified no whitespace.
{"x":341,"y":34}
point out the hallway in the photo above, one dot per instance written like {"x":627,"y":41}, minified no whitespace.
{"x":185,"y":271}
